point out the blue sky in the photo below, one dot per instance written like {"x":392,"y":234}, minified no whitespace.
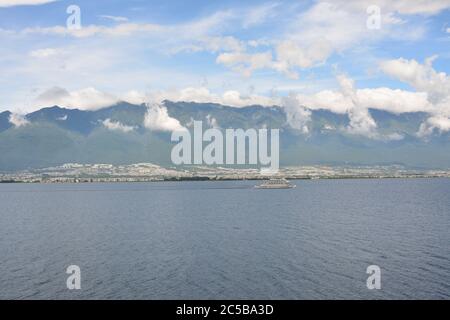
{"x":234,"y":52}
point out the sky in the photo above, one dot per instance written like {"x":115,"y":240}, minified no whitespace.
{"x":342,"y":55}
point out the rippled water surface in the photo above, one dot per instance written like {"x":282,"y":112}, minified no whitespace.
{"x":205,"y":240}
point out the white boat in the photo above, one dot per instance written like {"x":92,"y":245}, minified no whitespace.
{"x":276,"y":184}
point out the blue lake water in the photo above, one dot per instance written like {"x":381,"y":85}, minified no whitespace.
{"x":226,"y":240}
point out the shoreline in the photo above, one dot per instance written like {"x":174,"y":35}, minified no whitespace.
{"x":213,"y":179}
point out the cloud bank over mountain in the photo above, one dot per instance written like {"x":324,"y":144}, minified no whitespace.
{"x":125,"y":133}
{"x":431,"y":96}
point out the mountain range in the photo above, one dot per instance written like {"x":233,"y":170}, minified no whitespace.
{"x":118,"y":135}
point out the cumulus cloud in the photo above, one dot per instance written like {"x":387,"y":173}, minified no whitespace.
{"x":116,"y":126}
{"x":424,"y":78}
{"x":157,"y":119}
{"x":394,"y":100}
{"x":391,"y":100}
{"x":356,"y":104}
{"x":18,"y":120}
{"x":309,"y":40}
{"x":438,"y":123}
{"x":345,"y":101}
{"x":420,"y":76}
{"x":329,"y":27}
{"x":12,"y":3}
{"x":297,"y":116}
{"x":331,"y":100}
{"x":84,"y":99}
{"x":290,"y":55}
{"x":361,"y":122}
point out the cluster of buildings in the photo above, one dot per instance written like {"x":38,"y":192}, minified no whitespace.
{"x":147,"y":172}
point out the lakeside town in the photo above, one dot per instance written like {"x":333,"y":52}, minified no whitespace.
{"x":148,"y":172}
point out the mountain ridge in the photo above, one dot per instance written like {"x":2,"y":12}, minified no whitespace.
{"x":117,"y":134}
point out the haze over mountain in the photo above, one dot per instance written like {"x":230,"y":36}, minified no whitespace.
{"x":126,"y":133}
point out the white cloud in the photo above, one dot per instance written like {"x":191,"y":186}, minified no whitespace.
{"x":259,"y":14}
{"x":44,"y":53}
{"x":12,"y":3}
{"x":84,"y":99}
{"x":386,"y":99}
{"x":158,"y":119}
{"x":236,"y":99}
{"x":245,"y":63}
{"x":18,"y":120}
{"x":404,"y":7}
{"x":217,"y":44}
{"x":327,"y":99}
{"x":290,"y":55}
{"x":394,"y":100}
{"x":93,"y":99}
{"x":198,"y":29}
{"x":204,"y":95}
{"x":190,"y":94}
{"x":114,"y":18}
{"x":297,"y":116}
{"x":213,"y":44}
{"x":308,"y":40}
{"x":361,"y":122}
{"x":356,"y":104}
{"x":424,"y":78}
{"x":120,"y":30}
{"x":421,"y":77}
{"x":439,"y":123}
{"x":329,"y":27}
{"x":116,"y":126}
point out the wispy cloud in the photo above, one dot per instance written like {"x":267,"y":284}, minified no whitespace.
{"x":12,"y":3}
{"x":18,"y":120}
{"x":114,"y":18}
{"x":44,"y":53}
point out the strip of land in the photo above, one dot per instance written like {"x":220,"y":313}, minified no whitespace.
{"x":147,"y":172}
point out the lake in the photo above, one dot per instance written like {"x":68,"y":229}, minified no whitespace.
{"x":226,"y":240}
